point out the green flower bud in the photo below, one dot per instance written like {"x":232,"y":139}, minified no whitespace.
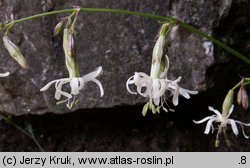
{"x":228,"y":102}
{"x":15,"y":52}
{"x":58,"y":28}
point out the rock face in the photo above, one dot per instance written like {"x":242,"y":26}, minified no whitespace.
{"x":121,"y":44}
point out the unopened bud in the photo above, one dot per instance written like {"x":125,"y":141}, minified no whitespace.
{"x":58,"y":28}
{"x":228,"y":102}
{"x":15,"y":52}
{"x":242,"y":97}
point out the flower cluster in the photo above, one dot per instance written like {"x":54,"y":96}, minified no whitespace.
{"x":157,"y":84}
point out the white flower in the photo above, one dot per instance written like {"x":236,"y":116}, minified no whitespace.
{"x":176,"y":90}
{"x":76,"y":84}
{"x":155,"y":88}
{"x":155,"y":85}
{"x":223,"y":121}
{"x":4,"y":74}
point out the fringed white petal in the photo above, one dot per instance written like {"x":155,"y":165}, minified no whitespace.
{"x":46,"y":87}
{"x":203,"y":120}
{"x":58,"y":86}
{"x":184,"y":93}
{"x":242,"y":128}
{"x":215,"y":111}
{"x":4,"y":74}
{"x":59,"y":90}
{"x":93,"y":74}
{"x":146,"y":92}
{"x":230,"y":111}
{"x":208,"y":126}
{"x":176,"y":96}
{"x":146,"y":85}
{"x":130,"y":81}
{"x":234,"y":126}
{"x":99,"y":85}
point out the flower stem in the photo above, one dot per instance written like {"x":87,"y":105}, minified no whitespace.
{"x":9,"y":121}
{"x":95,"y":10}
{"x":238,"y":84}
{"x":215,"y":41}
{"x":29,"y":135}
{"x":146,"y":15}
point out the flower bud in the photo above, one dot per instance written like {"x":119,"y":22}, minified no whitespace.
{"x":242,"y":97}
{"x":15,"y":52}
{"x":228,"y":102}
{"x":58,"y":28}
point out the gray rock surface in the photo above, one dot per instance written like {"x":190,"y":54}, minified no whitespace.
{"x":121,"y":44}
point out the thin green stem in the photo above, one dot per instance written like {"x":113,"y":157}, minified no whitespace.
{"x":238,"y":84}
{"x":247,"y":83}
{"x":146,"y":15}
{"x":29,"y":135}
{"x":215,"y":41}
{"x":9,"y":121}
{"x":95,"y":10}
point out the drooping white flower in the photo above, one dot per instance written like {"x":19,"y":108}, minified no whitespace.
{"x":223,"y":121}
{"x":155,"y":85}
{"x":152,"y":88}
{"x":4,"y":74}
{"x":76,"y":84}
{"x":155,"y":89}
